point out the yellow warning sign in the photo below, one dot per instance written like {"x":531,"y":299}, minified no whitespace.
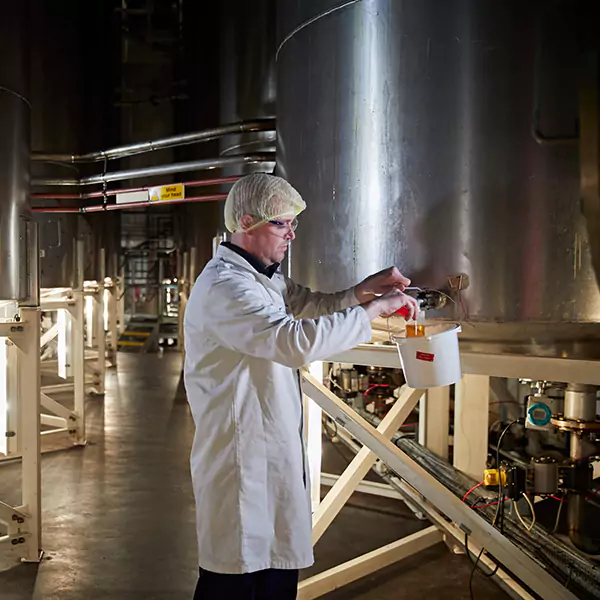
{"x":174,"y":191}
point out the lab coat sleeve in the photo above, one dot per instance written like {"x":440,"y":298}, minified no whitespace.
{"x":303,"y":302}
{"x":242,"y":319}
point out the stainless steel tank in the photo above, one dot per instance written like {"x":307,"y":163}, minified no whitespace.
{"x":198,"y":222}
{"x":15,"y":114}
{"x":248,"y":75}
{"x":56,"y":98}
{"x":410,"y":129}
{"x":68,"y":116}
{"x":243,"y":73}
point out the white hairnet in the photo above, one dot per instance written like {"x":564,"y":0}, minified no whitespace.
{"x":265,"y":197}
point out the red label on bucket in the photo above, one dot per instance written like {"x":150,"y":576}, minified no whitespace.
{"x":425,"y":356}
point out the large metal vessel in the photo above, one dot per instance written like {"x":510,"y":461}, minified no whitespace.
{"x":248,"y":75}
{"x":244,"y":76}
{"x":16,"y":262}
{"x":69,"y":115}
{"x":441,"y":137}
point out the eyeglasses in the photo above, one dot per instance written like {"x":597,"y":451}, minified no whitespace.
{"x":292,"y":225}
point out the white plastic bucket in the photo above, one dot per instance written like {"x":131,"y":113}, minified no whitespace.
{"x":432,"y":360}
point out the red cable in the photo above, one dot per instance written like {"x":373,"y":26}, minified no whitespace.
{"x":557,"y":498}
{"x":376,"y":385}
{"x":594,"y":493}
{"x":486,"y":505}
{"x":473,"y":488}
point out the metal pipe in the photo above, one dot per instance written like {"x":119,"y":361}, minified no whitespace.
{"x":210,"y":163}
{"x":183,"y":139}
{"x":576,"y":444}
{"x":580,"y":402}
{"x":580,"y":405}
{"x":102,"y":194}
{"x":108,"y":207}
{"x":578,"y":515}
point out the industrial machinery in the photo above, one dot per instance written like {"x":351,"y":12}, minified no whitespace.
{"x":431,"y":150}
{"x":459,"y":141}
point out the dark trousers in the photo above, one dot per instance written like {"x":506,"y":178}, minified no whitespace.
{"x":270,"y":584}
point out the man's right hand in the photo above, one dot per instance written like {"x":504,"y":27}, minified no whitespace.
{"x":388,"y":304}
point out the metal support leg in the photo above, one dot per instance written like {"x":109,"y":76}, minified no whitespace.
{"x":112,"y":326}
{"x":100,"y":372}
{"x":29,"y":387}
{"x":434,"y":420}
{"x":361,"y":464}
{"x":101,"y":323}
{"x":13,"y":421}
{"x":121,"y":303}
{"x":78,"y":357}
{"x":471,"y":416}
{"x":313,"y":419}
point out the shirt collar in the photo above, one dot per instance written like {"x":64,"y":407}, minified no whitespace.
{"x":258,"y":264}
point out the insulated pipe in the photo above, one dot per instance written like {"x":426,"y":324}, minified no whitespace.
{"x":108,"y":207}
{"x":210,"y":163}
{"x":102,"y":194}
{"x":160,"y":144}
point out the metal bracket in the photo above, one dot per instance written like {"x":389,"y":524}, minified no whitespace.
{"x":12,"y":517}
{"x":14,"y":331}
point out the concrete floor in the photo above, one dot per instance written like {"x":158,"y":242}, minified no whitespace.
{"x":118,"y":515}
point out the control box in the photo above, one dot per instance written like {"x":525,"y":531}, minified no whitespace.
{"x":540,"y":409}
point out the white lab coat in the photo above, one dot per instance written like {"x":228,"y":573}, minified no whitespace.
{"x":243,"y":351}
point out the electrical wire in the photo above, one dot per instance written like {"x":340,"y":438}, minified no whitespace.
{"x":532,"y":508}
{"x":326,"y":422}
{"x":333,"y":381}
{"x":372,"y":387}
{"x":500,"y":508}
{"x":331,"y":436}
{"x":504,"y":402}
{"x":472,"y":489}
{"x":476,"y":562}
{"x":478,"y":506}
{"x":473,"y":575}
{"x":518,"y":513}
{"x":594,"y":493}
{"x":556,"y":523}
{"x":476,"y":566}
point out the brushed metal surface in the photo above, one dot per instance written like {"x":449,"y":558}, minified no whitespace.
{"x":14,"y":152}
{"x":407,"y":127}
{"x":248,"y":76}
{"x":69,"y":114}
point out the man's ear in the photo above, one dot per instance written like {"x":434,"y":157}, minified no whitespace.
{"x":246,"y":222}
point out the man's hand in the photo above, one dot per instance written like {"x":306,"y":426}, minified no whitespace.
{"x":388,"y":304}
{"x":380,"y":283}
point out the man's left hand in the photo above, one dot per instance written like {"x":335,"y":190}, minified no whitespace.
{"x":380,"y":283}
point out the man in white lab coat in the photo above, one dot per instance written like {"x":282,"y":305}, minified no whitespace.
{"x":248,"y":330}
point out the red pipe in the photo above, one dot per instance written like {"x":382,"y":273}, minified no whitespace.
{"x":100,"y":194}
{"x":105,"y":207}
